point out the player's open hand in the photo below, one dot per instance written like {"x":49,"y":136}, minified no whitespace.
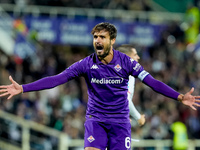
{"x":10,"y":90}
{"x":190,"y":100}
{"x":142,"y":120}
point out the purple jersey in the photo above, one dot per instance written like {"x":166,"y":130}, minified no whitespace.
{"x":107,"y":85}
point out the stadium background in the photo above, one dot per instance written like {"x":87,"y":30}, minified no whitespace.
{"x":43,"y":37}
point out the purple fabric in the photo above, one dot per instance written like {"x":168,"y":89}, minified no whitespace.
{"x":107,"y":85}
{"x":160,"y":87}
{"x":46,"y":83}
{"x":114,"y":136}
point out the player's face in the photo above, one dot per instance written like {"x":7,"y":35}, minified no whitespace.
{"x":134,"y":55}
{"x":102,"y":43}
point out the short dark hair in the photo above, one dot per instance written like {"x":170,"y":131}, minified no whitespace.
{"x":125,"y":48}
{"x":107,"y":27}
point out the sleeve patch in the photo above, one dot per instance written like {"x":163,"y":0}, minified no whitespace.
{"x":137,"y":67}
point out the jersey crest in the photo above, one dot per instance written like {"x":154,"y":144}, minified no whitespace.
{"x":118,"y":67}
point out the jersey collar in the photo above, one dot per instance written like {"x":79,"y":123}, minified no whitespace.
{"x":112,"y":61}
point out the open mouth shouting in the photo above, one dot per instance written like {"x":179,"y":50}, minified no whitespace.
{"x":99,"y":48}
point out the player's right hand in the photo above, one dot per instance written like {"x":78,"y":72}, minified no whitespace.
{"x":11,"y":90}
{"x":142,"y":120}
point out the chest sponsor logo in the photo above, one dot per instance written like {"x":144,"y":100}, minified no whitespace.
{"x":118,"y":67}
{"x":90,"y":138}
{"x":109,"y":80}
{"x":94,"y":67}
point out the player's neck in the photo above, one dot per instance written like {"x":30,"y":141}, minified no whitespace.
{"x":108,"y":58}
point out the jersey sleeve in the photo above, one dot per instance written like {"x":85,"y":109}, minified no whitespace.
{"x":133,"y":111}
{"x":75,"y":70}
{"x":137,"y":70}
{"x":161,"y":87}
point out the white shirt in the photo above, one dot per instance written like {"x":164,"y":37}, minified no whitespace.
{"x":133,"y":111}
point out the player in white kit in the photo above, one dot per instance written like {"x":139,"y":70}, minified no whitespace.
{"x":132,"y":52}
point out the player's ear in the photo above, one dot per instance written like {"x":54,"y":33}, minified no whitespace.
{"x":113,"y":41}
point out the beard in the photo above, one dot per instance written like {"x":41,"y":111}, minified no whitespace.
{"x":106,"y":51}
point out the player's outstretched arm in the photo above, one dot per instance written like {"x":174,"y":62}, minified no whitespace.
{"x":189,"y":99}
{"x":41,"y":84}
{"x":10,"y":90}
{"x":164,"y":89}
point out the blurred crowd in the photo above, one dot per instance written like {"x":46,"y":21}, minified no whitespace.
{"x":62,"y":108}
{"x":105,"y":4}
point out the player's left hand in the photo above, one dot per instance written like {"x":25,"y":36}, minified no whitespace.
{"x":189,"y":99}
